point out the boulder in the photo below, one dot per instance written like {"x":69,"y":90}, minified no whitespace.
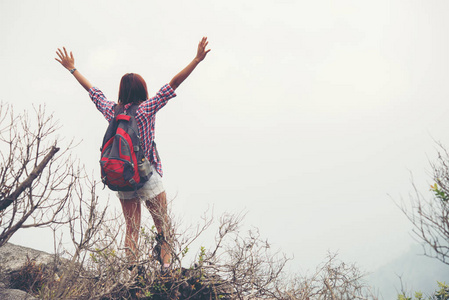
{"x":12,"y":259}
{"x":13,"y":294}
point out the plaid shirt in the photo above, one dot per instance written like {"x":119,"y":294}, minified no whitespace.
{"x":145,"y":117}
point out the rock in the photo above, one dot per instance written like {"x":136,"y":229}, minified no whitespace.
{"x":13,"y":257}
{"x":12,"y":294}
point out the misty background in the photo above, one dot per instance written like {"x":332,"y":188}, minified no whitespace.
{"x":312,"y":117}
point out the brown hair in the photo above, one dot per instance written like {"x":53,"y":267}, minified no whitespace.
{"x":133,"y":89}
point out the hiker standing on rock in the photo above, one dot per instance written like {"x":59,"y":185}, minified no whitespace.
{"x":133,"y":90}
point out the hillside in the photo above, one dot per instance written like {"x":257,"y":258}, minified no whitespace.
{"x":418,"y":273}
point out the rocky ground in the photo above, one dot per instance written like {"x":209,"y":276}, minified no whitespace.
{"x":12,"y":259}
{"x":23,"y":272}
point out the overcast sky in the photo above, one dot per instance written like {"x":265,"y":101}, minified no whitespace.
{"x":311,"y":116}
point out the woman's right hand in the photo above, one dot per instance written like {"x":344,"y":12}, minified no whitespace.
{"x":68,"y":62}
{"x":65,"y":60}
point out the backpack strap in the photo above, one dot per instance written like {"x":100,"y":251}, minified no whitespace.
{"x":131,"y":111}
{"x":118,"y":109}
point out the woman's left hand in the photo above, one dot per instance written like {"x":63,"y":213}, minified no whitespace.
{"x":65,"y":60}
{"x":202,"y":52}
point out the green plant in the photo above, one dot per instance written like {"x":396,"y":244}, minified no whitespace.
{"x":428,"y":215}
{"x":102,"y":256}
{"x":440,"y":194}
{"x":184,"y":251}
{"x":148,"y":236}
{"x":442,"y":293}
{"x":160,"y":288}
{"x":202,"y":255}
{"x":418,"y":296}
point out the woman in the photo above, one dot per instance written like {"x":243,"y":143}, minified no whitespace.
{"x":133,"y":89}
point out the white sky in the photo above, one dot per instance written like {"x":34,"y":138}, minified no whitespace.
{"x":305,"y":114}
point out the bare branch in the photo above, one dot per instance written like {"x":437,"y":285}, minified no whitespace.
{"x":430,"y":215}
{"x":36,"y":175}
{"x":4,"y":203}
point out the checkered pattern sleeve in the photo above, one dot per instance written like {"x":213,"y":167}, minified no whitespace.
{"x":154,"y":104}
{"x":105,"y":106}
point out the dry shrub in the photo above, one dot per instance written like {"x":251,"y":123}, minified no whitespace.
{"x":238,"y":266}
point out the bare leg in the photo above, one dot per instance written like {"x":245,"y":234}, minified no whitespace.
{"x":132,"y":213}
{"x":158,"y":210}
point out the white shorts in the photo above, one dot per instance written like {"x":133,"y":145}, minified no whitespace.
{"x":150,"y":189}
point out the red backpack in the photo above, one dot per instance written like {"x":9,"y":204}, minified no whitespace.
{"x":123,"y":163}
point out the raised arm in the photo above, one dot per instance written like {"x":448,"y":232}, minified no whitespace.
{"x":200,"y":55}
{"x":68,"y":62}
